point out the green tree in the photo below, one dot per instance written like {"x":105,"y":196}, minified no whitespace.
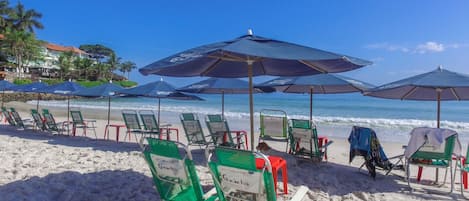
{"x":113,"y":62}
{"x":66,"y":61}
{"x":4,"y":11}
{"x":97,"y":51}
{"x":25,"y":20}
{"x":22,"y":47}
{"x":127,"y":67}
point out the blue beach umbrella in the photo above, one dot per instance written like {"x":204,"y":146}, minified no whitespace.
{"x":315,"y":84}
{"x":249,"y":56}
{"x":219,"y":86}
{"x":159,"y":89}
{"x":33,"y":88}
{"x":64,"y":89}
{"x":105,"y":90}
{"x":436,"y":85}
{"x":4,"y":86}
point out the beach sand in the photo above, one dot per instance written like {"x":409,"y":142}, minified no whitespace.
{"x":41,"y":166}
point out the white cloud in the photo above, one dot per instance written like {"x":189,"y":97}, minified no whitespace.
{"x":429,"y":46}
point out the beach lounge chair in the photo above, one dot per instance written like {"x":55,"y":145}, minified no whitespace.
{"x":174,"y":174}
{"x":274,"y":126}
{"x":432,"y":147}
{"x":236,"y":176}
{"x":7,"y":115}
{"x":150,"y":126}
{"x":38,"y":120}
{"x":220,"y":132}
{"x":22,"y":123}
{"x":364,"y":142}
{"x":132,"y":123}
{"x":304,"y":141}
{"x":193,"y":129}
{"x":51,"y":124}
{"x":79,"y":122}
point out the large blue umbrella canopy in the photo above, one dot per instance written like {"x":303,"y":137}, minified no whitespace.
{"x":315,"y":84}
{"x":33,"y":87}
{"x":436,"y":85}
{"x":249,"y":56}
{"x":105,"y":90}
{"x":219,"y":86}
{"x":65,"y":89}
{"x":4,"y":86}
{"x":159,"y":89}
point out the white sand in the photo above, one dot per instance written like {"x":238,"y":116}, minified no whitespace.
{"x":40,"y":166}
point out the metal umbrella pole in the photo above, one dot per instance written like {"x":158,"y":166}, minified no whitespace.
{"x":222,"y":103}
{"x":108,"y":110}
{"x":251,"y":106}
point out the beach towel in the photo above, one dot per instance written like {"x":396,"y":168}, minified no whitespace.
{"x":364,"y":142}
{"x":434,"y":136}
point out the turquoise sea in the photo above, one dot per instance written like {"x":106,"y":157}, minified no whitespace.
{"x":392,"y":118}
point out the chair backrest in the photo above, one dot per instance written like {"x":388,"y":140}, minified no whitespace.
{"x":219,"y":130}
{"x":77,"y":117}
{"x":17,"y":117}
{"x":237,"y":178}
{"x":6,"y":114}
{"x":37,"y":119}
{"x":194,"y":133}
{"x":131,"y":119}
{"x":273,"y":123}
{"x":50,"y":121}
{"x":428,"y":151}
{"x":303,"y":137}
{"x":149,"y":120}
{"x":174,"y":175}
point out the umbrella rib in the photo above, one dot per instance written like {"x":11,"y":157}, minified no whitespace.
{"x":313,"y":66}
{"x":211,"y":67}
{"x":263,"y":67}
{"x":323,"y":89}
{"x":455,"y":94}
{"x":409,"y":93}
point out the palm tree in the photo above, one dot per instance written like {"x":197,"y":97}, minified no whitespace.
{"x":22,"y":19}
{"x":66,"y":61}
{"x":4,"y":11}
{"x":127,"y":66}
{"x":113,"y":63}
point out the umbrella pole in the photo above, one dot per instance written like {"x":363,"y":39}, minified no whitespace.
{"x":108,"y":110}
{"x":251,"y":106}
{"x":68,"y":115}
{"x":3,"y":97}
{"x":222,"y":103}
{"x":311,"y":105}
{"x":37,"y":104}
{"x":438,"y":109}
{"x":159,"y":102}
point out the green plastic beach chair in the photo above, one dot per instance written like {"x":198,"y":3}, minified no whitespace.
{"x":236,"y":177}
{"x":51,"y":124}
{"x":174,"y":174}
{"x":79,"y":122}
{"x":193,"y":129}
{"x":9,"y":118}
{"x":220,"y":132}
{"x":304,"y":140}
{"x":38,"y":120}
{"x":150,"y":125}
{"x":22,"y":123}
{"x":274,"y":126}
{"x":435,"y":157}
{"x":132,"y":123}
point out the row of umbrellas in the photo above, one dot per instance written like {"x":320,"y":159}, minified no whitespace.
{"x":251,"y":55}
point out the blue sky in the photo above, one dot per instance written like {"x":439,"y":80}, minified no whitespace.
{"x":402,"y":38}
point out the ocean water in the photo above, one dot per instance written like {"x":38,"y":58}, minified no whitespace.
{"x":393,"y":118}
